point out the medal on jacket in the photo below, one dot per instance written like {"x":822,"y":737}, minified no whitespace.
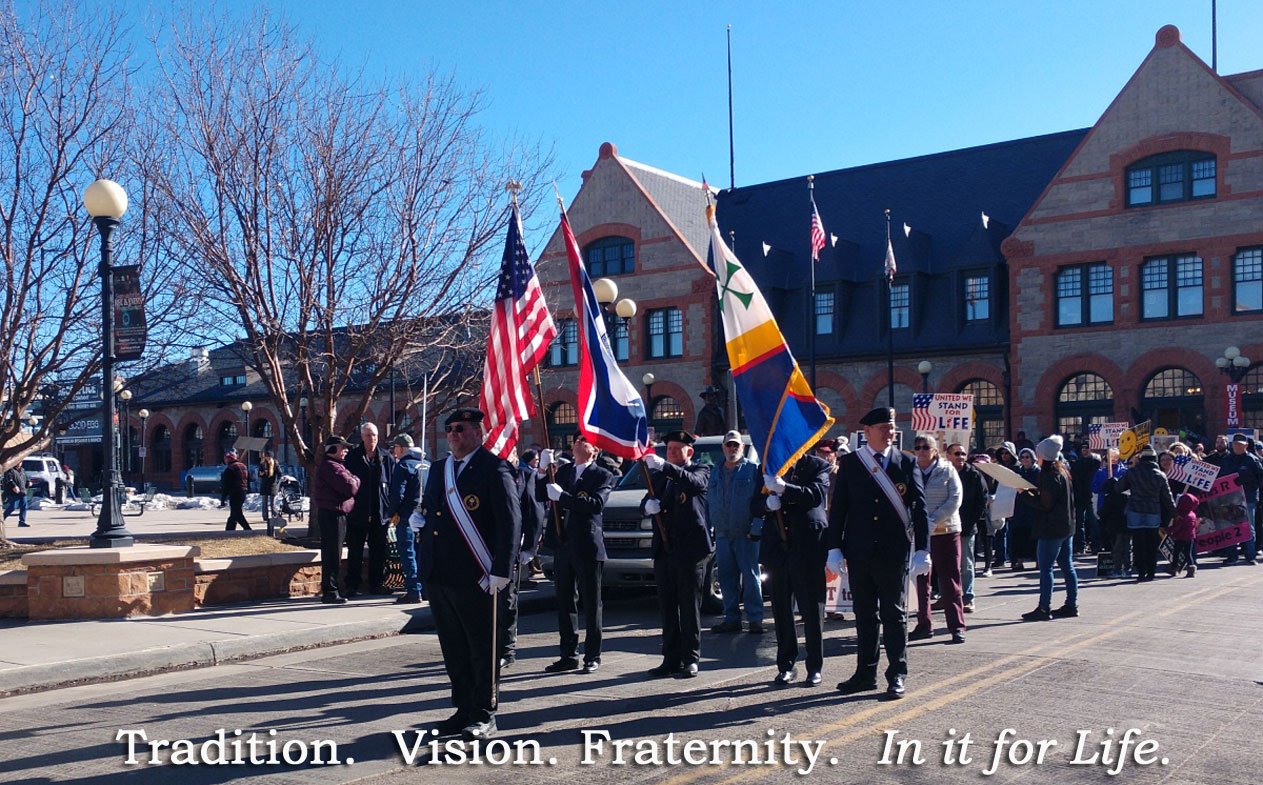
{"x":903,"y":489}
{"x":683,"y":497}
{"x":472,"y":502}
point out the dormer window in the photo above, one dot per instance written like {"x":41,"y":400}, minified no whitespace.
{"x":611,"y":256}
{"x":233,"y":381}
{"x":1180,"y":176}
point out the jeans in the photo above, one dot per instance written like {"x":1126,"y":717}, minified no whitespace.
{"x":737,"y":565}
{"x":1248,"y":548}
{"x":1001,"y":542}
{"x":967,"y":567}
{"x":405,"y":542}
{"x":16,"y":503}
{"x":1059,"y":551}
{"x":1087,"y":531}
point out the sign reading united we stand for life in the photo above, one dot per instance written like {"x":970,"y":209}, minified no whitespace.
{"x":949,"y":417}
{"x":1194,"y":473}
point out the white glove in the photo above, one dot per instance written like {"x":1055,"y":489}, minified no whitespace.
{"x":554,"y":491}
{"x":545,"y":460}
{"x":524,"y":557}
{"x":416,"y":521}
{"x":773,"y":483}
{"x":653,"y":462}
{"x":921,"y":563}
{"x":773,"y":502}
{"x":653,"y":507}
{"x":497,"y":583}
{"x":835,"y":562}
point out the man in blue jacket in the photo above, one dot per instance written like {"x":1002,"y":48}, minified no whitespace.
{"x":403,"y":497}
{"x":368,"y":519}
{"x":737,"y":531}
{"x":1241,"y":462}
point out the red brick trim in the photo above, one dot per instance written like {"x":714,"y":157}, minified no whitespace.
{"x":958,"y":375}
{"x":1045,"y":400}
{"x":843,"y":387}
{"x":877,"y":382}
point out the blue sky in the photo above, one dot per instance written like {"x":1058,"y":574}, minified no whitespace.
{"x":818,"y":85}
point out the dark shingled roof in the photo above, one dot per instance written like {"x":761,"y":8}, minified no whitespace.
{"x":941,"y":197}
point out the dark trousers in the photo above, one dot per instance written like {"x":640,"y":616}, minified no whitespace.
{"x":332,"y":534}
{"x":235,"y":514}
{"x":462,"y":618}
{"x":358,"y":533}
{"x":1145,"y":542}
{"x":792,"y":579}
{"x":680,"y":600}
{"x":506,"y":616}
{"x":578,"y":581}
{"x":945,"y":554}
{"x":879,"y":591}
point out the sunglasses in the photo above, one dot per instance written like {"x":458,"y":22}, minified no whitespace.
{"x":921,"y":447}
{"x":455,"y":429}
{"x":958,"y":455}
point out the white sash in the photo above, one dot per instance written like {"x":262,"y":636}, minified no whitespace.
{"x":473,"y":538}
{"x":892,"y":493}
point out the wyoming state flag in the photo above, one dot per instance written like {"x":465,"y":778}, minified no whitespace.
{"x":783,"y":415}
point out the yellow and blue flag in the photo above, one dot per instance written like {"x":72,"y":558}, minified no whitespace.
{"x":782,"y":413}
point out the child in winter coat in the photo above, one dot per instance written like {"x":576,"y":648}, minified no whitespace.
{"x":1183,"y":534}
{"x":1113,"y":516}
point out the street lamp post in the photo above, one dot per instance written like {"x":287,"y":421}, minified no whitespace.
{"x":924,"y":368}
{"x":648,"y":379}
{"x":143,"y":414}
{"x":125,"y":433}
{"x":606,"y":291}
{"x":1235,"y":366}
{"x":106,"y":201}
{"x":246,"y":406}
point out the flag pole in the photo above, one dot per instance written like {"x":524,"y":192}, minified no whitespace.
{"x":732,"y":156}
{"x":890,"y":332}
{"x":811,"y":298}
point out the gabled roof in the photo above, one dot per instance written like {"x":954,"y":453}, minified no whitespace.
{"x":680,"y":200}
{"x":940,"y":196}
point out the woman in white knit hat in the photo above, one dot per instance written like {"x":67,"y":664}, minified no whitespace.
{"x":1053,"y":500}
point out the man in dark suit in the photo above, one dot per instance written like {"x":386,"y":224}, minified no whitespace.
{"x":678,"y":507}
{"x":532,"y":508}
{"x":793,"y":551}
{"x":466,"y":555}
{"x":371,"y":513}
{"x":578,"y":493}
{"x":876,"y":519}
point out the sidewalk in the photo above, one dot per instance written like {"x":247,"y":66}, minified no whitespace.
{"x":44,"y":655}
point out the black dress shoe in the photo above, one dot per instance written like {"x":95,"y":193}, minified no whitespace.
{"x":813,"y":679}
{"x":561,"y":665}
{"x":591,"y":666}
{"x":408,"y":599}
{"x":333,"y":599}
{"x":958,"y":636}
{"x":452,"y":725}
{"x":783,"y":678}
{"x":920,"y":634}
{"x":664,"y":670}
{"x":895,"y":688}
{"x":506,"y":662}
{"x":857,"y":683}
{"x":688,"y":671}
{"x":479,"y":731}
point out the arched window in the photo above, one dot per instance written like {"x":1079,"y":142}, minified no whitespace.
{"x":665,"y":415}
{"x":262,"y":429}
{"x":611,"y":256}
{"x":563,"y":421}
{"x":193,"y":446}
{"x":988,"y":412}
{"x":1173,"y":399}
{"x":160,"y":449}
{"x":1083,"y":399}
{"x":903,"y":408}
{"x":227,"y":438}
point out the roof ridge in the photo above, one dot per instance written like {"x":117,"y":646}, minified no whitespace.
{"x":664,"y":173}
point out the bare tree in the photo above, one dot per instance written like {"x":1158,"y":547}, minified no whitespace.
{"x":341,"y":224}
{"x":64,"y":89}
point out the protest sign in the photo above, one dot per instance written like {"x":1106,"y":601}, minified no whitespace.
{"x":1194,"y":473}
{"x":1133,"y":440}
{"x":1222,"y":517}
{"x":837,"y":593}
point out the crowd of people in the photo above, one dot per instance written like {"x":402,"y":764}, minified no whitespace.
{"x":877,"y":515}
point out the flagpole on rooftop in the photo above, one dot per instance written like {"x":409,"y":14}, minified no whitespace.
{"x":890,"y":333}
{"x":811,"y":297}
{"x":732,"y":160}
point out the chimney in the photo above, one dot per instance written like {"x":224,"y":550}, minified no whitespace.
{"x":199,"y":359}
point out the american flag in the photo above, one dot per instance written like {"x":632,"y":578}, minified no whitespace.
{"x":1096,"y":440}
{"x":521,"y":330}
{"x":922,"y":420}
{"x":817,"y":232}
{"x":1179,"y":468}
{"x":891,"y":269}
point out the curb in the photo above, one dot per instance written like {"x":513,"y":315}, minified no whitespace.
{"x":163,"y":659}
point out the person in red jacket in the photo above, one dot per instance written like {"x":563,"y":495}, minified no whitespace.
{"x":234,"y":483}
{"x":333,"y":493}
{"x":1183,"y":534}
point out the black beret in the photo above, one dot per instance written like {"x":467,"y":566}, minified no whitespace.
{"x":464,"y":415}
{"x":878,"y":416}
{"x":684,"y":437}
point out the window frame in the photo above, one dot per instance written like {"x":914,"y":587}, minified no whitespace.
{"x":1155,"y":165}
{"x":1172,"y":286}
{"x":666,"y":316}
{"x":1084,"y":296}
{"x":985,"y":277}
{"x":610,"y":241}
{"x":560,"y":346}
{"x":831,"y":315}
{"x":1236,"y":258}
{"x":906,"y":286}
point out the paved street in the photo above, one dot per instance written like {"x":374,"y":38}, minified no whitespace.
{"x":1177,"y":660}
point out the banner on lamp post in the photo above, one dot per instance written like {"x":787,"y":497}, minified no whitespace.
{"x":1232,"y":397}
{"x":129,"y":314}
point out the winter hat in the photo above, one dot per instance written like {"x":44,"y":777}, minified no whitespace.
{"x":403,"y":440}
{"x":1049,"y":448}
{"x":231,"y":455}
{"x":1026,"y":451}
